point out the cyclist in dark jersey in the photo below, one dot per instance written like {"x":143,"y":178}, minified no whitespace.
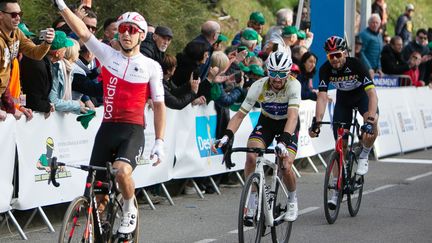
{"x":355,"y":88}
{"x":279,"y":96}
{"x":128,"y":79}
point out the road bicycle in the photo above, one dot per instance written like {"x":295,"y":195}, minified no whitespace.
{"x":83,"y":222}
{"x":272,"y":200}
{"x":341,"y":176}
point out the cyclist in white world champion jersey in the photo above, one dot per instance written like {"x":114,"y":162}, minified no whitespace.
{"x":128,"y":79}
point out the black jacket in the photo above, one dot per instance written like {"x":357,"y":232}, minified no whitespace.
{"x":185,"y":67}
{"x":178,"y":97}
{"x":149,"y":49}
{"x":36,"y":81}
{"x":392,"y":62}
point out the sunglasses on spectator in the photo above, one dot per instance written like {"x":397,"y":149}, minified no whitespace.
{"x":91,"y":28}
{"x":422,"y":37}
{"x":13,"y":14}
{"x":131,"y":29}
{"x":334,"y":54}
{"x":280,"y":75}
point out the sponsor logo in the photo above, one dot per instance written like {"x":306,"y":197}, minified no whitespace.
{"x":206,"y":135}
{"x":109,"y":98}
{"x":43,"y":164}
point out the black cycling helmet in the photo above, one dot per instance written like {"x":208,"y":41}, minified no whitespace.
{"x":335,"y":43}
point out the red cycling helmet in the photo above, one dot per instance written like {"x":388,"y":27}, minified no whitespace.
{"x":335,"y":43}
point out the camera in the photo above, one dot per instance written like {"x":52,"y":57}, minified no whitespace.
{"x":238,"y":77}
{"x":42,"y":34}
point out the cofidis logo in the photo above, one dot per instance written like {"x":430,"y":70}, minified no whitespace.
{"x":206,"y":134}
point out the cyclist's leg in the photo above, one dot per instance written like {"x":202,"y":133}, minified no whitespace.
{"x":367,"y":139}
{"x":129,"y":151}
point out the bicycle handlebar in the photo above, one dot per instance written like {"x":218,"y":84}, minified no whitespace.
{"x":227,"y":156}
{"x":55,"y":164}
{"x":337,"y":123}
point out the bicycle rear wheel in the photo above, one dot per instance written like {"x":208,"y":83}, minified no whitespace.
{"x":282,"y":231}
{"x":330,"y":187}
{"x":78,"y":222}
{"x":250,"y":230}
{"x":356,"y":183}
{"x":116,"y":220}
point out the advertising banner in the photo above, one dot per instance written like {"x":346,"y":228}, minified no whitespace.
{"x":7,"y":158}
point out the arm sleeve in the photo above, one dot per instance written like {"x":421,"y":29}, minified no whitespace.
{"x":156,"y":84}
{"x":29,"y":49}
{"x":401,"y":21}
{"x":294,"y":93}
{"x":179,"y":102}
{"x":364,"y":76}
{"x":363,"y":50}
{"x":323,"y":79}
{"x":7,"y":102}
{"x":102,"y":51}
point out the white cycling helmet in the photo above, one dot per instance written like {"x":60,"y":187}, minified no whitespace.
{"x":279,"y":61}
{"x":134,"y":18}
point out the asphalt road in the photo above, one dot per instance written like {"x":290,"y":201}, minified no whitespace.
{"x":396,"y":207}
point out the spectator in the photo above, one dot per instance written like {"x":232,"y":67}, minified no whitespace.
{"x":307,"y":72}
{"x":218,"y":45}
{"x":283,"y":41}
{"x":372,"y":45}
{"x":391,"y":57}
{"x":177,"y":97}
{"x":193,"y":56}
{"x":284,"y":17}
{"x":420,"y":44}
{"x":12,"y":42}
{"x":404,"y":25}
{"x":110,"y":29}
{"x":380,"y":7}
{"x":210,"y":31}
{"x":249,"y":38}
{"x":305,"y":38}
{"x":414,"y":72}
{"x":256,"y":22}
{"x":297,"y":53}
{"x":61,"y":91}
{"x":386,"y":39}
{"x":155,"y":44}
{"x":358,"y":44}
{"x":304,"y":19}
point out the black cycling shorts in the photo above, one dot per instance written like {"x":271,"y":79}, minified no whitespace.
{"x":117,"y":141}
{"x":343,"y":111}
{"x":267,"y":129}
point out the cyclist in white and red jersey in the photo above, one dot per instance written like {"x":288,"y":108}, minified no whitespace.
{"x":279,"y":96}
{"x":128,"y":79}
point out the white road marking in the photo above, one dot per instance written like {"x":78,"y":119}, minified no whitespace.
{"x":378,"y":189}
{"x":205,"y":241}
{"x":419,"y":176}
{"x":407,"y":161}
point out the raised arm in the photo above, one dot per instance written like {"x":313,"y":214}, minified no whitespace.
{"x":75,"y":23}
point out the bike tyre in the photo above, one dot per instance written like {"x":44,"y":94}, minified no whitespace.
{"x":354,"y":197}
{"x":280,"y":207}
{"x":332,"y":214}
{"x":82,"y":205}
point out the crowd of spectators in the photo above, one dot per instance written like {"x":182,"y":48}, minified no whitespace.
{"x":60,"y":74}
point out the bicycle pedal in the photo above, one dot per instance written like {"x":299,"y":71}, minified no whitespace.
{"x":124,"y":238}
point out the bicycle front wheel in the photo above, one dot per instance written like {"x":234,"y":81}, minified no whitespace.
{"x":356,"y":183}
{"x":116,"y":220}
{"x":250,"y":229}
{"x":331,"y":189}
{"x":282,"y":231}
{"x":78,"y":222}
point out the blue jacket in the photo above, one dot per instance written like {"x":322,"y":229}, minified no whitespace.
{"x":306,"y":92}
{"x":57,"y":91}
{"x":371,"y":49}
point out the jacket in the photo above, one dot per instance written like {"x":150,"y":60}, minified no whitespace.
{"x":392,"y":62}
{"x":57,"y":91}
{"x":149,"y":49}
{"x":371,"y":48}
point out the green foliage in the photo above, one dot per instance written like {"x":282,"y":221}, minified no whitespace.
{"x":275,"y":5}
{"x":422,"y":17}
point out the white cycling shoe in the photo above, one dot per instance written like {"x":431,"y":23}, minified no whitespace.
{"x":292,"y":212}
{"x":128,"y":223}
{"x":363,"y":166}
{"x":332,"y":203}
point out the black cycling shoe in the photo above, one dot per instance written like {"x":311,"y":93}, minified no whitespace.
{"x":331,"y":205}
{"x":248,"y":221}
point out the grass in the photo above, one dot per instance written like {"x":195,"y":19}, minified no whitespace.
{"x":422,"y":17}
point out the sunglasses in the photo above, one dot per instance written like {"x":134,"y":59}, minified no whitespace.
{"x":131,"y":29}
{"x":280,"y":75}
{"x":14,"y":14}
{"x":338,"y":55}
{"x":91,"y":28}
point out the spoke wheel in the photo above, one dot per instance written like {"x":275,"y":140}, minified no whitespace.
{"x":77,"y":223}
{"x":330,"y":187}
{"x":282,"y":231}
{"x":254,"y":228}
{"x":356,"y":183}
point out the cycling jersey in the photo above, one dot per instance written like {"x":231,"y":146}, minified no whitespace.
{"x":273,"y":104}
{"x":126,"y":82}
{"x":351,"y":80}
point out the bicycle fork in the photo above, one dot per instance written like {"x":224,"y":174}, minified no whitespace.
{"x":268,"y":192}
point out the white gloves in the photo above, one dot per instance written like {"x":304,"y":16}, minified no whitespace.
{"x":283,"y":150}
{"x":158,"y":149}
{"x":221,"y":142}
{"x":60,"y":4}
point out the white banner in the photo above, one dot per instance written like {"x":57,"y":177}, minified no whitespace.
{"x":7,"y":158}
{"x":40,"y":139}
{"x":422,"y":103}
{"x":387,"y":142}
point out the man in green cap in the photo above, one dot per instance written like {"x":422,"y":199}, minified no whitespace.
{"x":249,"y":38}
{"x":256,"y":22}
{"x":218,"y":45}
{"x":284,"y":41}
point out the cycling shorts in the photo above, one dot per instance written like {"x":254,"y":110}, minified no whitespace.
{"x":267,"y":129}
{"x":343,"y":111}
{"x":117,"y":142}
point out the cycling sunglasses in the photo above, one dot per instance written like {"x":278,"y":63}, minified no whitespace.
{"x":13,"y":14}
{"x":280,"y":75}
{"x":130,"y":28}
{"x":334,"y":54}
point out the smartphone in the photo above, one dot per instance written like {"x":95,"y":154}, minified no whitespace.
{"x":238,"y":77}
{"x":195,"y":75}
{"x":42,"y":34}
{"x":87,"y":3}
